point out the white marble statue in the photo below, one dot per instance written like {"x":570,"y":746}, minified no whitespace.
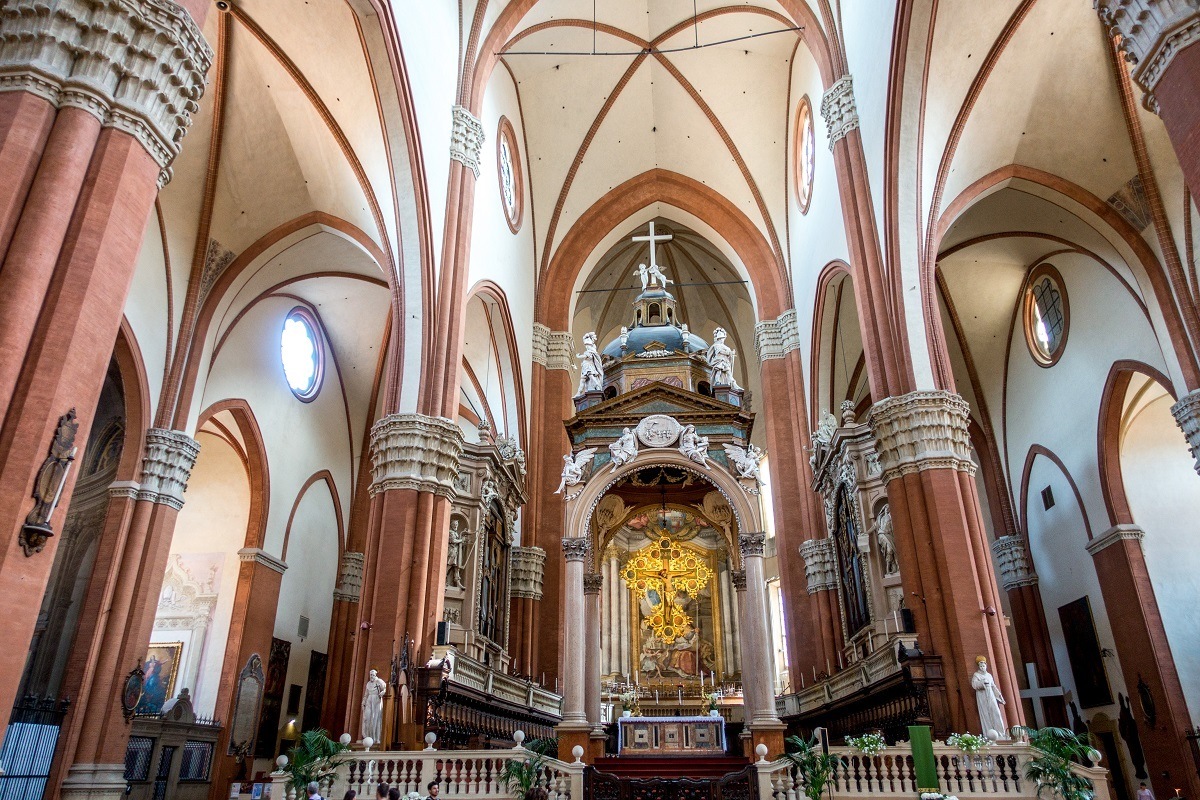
{"x":744,"y":461}
{"x":372,"y":707}
{"x":989,"y":700}
{"x":624,"y":337}
{"x":591,"y":370}
{"x":624,"y":449}
{"x":720,"y":361}
{"x":657,"y":276}
{"x":573,"y":467}
{"x":886,"y":540}
{"x":454,"y":556}
{"x":694,"y":446}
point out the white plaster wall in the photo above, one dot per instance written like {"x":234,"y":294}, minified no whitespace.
{"x":146,"y":308}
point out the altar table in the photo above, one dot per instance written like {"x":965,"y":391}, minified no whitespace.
{"x":659,"y":736}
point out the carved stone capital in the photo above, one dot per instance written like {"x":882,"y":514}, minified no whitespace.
{"x":1187,"y":416}
{"x":838,"y":110}
{"x":738,"y":578}
{"x":413,"y":451}
{"x":752,"y":545}
{"x":260,"y":556}
{"x":576,"y":548}
{"x":1115,"y":534}
{"x":1012,"y":565}
{"x":136,"y":65}
{"x":820,"y":566}
{"x":528,"y":572}
{"x":167,"y":465}
{"x":466,"y":138}
{"x":350,"y":578}
{"x":552,"y":349}
{"x":1152,"y":33}
{"x":775,"y":338}
{"x":593,"y":583}
{"x":922,"y":430}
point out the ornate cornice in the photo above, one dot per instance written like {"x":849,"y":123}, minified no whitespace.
{"x":738,"y":578}
{"x":1116,"y":533}
{"x":136,"y":65}
{"x":528,"y":572}
{"x":413,"y":451}
{"x":838,"y":109}
{"x":752,"y":545}
{"x":1187,"y":416}
{"x":1012,"y":565}
{"x":260,"y":556}
{"x":775,"y":338}
{"x":576,"y":548}
{"x":820,"y":567}
{"x":552,"y":349}
{"x":593,"y":583}
{"x":1152,"y":33}
{"x":466,"y":138}
{"x":350,"y":577}
{"x":922,"y":430}
{"x":166,"y":467}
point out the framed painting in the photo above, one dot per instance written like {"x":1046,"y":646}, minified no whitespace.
{"x":1083,"y":651}
{"x":161,"y":668}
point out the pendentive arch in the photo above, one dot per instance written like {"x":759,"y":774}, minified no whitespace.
{"x":1030,"y":457}
{"x":132,"y":369}
{"x":254,"y":458}
{"x":326,"y":477}
{"x":495,"y":294}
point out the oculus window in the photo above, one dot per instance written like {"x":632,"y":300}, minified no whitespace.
{"x":508,"y":170}
{"x":805,"y":155}
{"x":300,"y":352}
{"x":1047,"y":315}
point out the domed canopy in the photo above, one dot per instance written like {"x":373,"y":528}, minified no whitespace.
{"x":655,"y":339}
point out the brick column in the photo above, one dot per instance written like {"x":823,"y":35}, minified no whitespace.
{"x":528,"y":570}
{"x":342,"y":632}
{"x":1159,"y":38}
{"x":116,"y":622}
{"x":94,"y":99}
{"x":948,"y":580}
{"x":1145,"y":655}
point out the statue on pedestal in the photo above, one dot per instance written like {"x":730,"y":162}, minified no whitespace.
{"x":989,"y":700}
{"x":886,"y":541}
{"x":372,"y":707}
{"x":573,"y":467}
{"x":454,"y":556}
{"x":745,"y":460}
{"x":720,"y":361}
{"x":591,"y":370}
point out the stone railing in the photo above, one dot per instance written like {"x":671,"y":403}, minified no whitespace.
{"x":461,"y":774}
{"x":999,"y":772}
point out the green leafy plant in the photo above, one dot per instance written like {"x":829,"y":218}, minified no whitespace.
{"x":1050,"y":767}
{"x":814,"y":765}
{"x":521,"y":774}
{"x":314,"y":758}
{"x":711,"y":700}
{"x":869,"y":744}
{"x":969,"y":743}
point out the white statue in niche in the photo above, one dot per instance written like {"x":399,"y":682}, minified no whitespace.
{"x":455,"y":555}
{"x":573,"y":467}
{"x":624,"y":449}
{"x":694,"y":446}
{"x":372,"y":706}
{"x":624,"y":338}
{"x":720,"y":361}
{"x":886,"y":541}
{"x":989,"y":700}
{"x":745,"y":461}
{"x":591,"y":370}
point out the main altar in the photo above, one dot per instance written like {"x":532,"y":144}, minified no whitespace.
{"x":658,"y":736}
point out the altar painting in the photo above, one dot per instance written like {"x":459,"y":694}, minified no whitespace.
{"x":692,"y":651}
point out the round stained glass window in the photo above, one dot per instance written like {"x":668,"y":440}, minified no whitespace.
{"x":805,"y":154}
{"x":1047,"y":315}
{"x":508,"y":170}
{"x":300,"y":352}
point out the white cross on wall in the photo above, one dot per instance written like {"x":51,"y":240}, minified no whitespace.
{"x":653,"y":240}
{"x":1038,"y":694}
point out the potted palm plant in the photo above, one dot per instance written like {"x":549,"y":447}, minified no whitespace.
{"x":315,"y":758}
{"x":1054,"y":750}
{"x":812,"y":762}
{"x":521,"y":774}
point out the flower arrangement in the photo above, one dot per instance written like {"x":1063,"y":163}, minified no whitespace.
{"x":629,"y":702}
{"x":968,"y":742}
{"x":712,"y":699}
{"x":937,"y":796}
{"x":869,"y":744}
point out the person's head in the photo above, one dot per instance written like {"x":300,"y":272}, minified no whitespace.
{"x":381,"y":791}
{"x":313,"y":789}
{"x":393,"y":793}
{"x":432,"y":788}
{"x":350,"y":795}
{"x":1142,"y":785}
{"x":981,"y":664}
{"x":537,"y":793}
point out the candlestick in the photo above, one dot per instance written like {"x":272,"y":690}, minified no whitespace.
{"x":801,"y":680}
{"x":840,"y":665}
{"x":828,"y":667}
{"x":896,"y":620}
{"x":814,"y":674}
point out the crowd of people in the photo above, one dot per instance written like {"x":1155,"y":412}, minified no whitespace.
{"x":385,"y":792}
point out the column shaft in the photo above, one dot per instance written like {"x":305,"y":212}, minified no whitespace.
{"x":574,"y":655}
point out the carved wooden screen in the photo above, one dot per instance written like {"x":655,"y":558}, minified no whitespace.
{"x":493,"y":575}
{"x":850,"y":565}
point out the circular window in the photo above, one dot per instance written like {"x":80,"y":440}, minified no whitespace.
{"x":300,"y":352}
{"x":1047,"y":315}
{"x":805,"y":155}
{"x":508,"y":170}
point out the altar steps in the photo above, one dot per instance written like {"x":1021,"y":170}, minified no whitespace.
{"x":670,"y":767}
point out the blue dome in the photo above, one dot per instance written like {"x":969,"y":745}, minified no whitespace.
{"x":667,"y":335}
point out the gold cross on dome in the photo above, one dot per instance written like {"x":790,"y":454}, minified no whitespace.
{"x":667,"y":568}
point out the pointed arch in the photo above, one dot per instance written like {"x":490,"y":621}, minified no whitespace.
{"x":317,"y":477}
{"x":254,"y":458}
{"x":1030,"y":457}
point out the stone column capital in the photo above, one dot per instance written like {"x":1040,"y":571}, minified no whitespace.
{"x":166,"y":466}
{"x":775,"y":338}
{"x":820,"y":566}
{"x":920,"y":431}
{"x":1012,"y":565}
{"x":838,"y":109}
{"x":350,"y":577}
{"x":752,"y":545}
{"x":576,"y":548}
{"x":466,"y":138}
{"x":1113,"y":535}
{"x":137,"y":65}
{"x":1187,"y":416}
{"x":414,"y":451}
{"x":552,"y":349}
{"x":738,"y":578}
{"x":528,"y":572}
{"x":1152,"y":33}
{"x":259,"y":556}
{"x":593,"y":583}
